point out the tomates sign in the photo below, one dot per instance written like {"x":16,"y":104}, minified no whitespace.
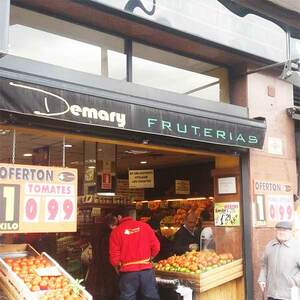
{"x":37,"y":199}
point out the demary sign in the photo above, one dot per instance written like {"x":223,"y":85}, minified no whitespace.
{"x":40,"y":101}
{"x":37,"y":199}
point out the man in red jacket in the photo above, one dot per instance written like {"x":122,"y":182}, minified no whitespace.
{"x":132,"y":246}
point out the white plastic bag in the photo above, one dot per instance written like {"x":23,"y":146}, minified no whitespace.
{"x":87,"y":255}
{"x":295,"y":293}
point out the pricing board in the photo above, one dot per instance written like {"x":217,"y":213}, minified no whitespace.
{"x":277,"y":204}
{"x":37,"y":199}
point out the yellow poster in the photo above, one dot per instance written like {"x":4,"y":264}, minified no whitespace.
{"x":227,"y":214}
{"x":37,"y":199}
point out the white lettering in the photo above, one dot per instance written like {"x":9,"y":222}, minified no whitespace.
{"x":76,"y":110}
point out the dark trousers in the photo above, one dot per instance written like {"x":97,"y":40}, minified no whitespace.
{"x":142,"y":282}
{"x":270,"y":298}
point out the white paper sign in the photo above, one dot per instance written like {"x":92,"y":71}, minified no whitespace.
{"x":182,"y":187}
{"x":227,"y":185}
{"x":141,"y":179}
{"x":275,"y":146}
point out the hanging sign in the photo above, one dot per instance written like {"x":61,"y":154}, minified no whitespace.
{"x":227,"y":214}
{"x":141,"y":179}
{"x":37,"y":199}
{"x":278,"y":204}
{"x":182,"y":187}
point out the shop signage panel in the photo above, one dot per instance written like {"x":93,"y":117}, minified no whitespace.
{"x":37,"y":199}
{"x":227,"y":214}
{"x":140,"y":179}
{"x":182,"y":187}
{"x":40,"y":101}
{"x":277,"y":204}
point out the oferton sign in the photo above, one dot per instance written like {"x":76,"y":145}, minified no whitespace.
{"x":37,"y":199}
{"x":40,"y":101}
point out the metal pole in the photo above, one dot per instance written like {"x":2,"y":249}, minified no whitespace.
{"x":64,"y":152}
{"x":14,"y":147}
{"x":288,"y":46}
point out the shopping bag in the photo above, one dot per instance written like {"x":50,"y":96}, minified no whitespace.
{"x":87,"y":255}
{"x":295,"y":293}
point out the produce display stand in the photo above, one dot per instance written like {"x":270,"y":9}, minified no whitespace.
{"x":13,"y":286}
{"x":224,"y":282}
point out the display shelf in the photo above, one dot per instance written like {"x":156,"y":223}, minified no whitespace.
{"x":210,"y":279}
{"x":112,"y":205}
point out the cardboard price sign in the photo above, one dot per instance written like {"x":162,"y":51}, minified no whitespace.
{"x":275,"y":202}
{"x":37,"y":199}
{"x":227,"y":214}
{"x":280,"y":208}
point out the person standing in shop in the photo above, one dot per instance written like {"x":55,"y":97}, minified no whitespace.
{"x":280,"y":264}
{"x":101,"y":279}
{"x":187,"y":238}
{"x":133,"y":244}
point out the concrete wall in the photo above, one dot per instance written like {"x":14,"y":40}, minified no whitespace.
{"x":269,"y":97}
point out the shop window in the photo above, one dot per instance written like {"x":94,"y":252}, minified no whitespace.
{"x":6,"y":145}
{"x":57,"y":42}
{"x":168,"y":71}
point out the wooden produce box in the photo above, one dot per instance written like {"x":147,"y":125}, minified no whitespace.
{"x":13,"y":286}
{"x":9,"y":289}
{"x":13,"y":282}
{"x":207,"y":280}
{"x":66,"y":274}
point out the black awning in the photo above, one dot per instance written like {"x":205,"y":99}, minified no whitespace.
{"x":48,"y":103}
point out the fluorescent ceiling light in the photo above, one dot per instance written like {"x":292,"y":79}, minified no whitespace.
{"x":143,"y":162}
{"x":106,"y":194}
{"x":68,"y":146}
{"x":4,"y":132}
{"x":91,"y":167}
{"x":136,"y":152}
{"x":27,"y":154}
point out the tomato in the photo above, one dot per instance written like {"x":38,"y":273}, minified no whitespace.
{"x":16,"y":269}
{"x":9,"y":260}
{"x":43,"y":285}
{"x":57,"y":285}
{"x":30,"y":263}
{"x":35,"y":288}
{"x":51,"y":285}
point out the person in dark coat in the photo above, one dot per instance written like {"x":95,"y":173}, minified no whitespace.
{"x":166,"y":245}
{"x":102,"y":279}
{"x":187,"y":238}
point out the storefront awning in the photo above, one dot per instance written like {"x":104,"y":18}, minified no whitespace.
{"x":50,"y":103}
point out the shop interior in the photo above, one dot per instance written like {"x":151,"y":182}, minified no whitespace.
{"x":184,"y":180}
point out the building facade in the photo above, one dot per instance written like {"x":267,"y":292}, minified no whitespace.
{"x":165,"y":73}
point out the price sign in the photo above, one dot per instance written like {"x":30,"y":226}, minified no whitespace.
{"x":227,"y":214}
{"x":31,"y":209}
{"x":37,"y":199}
{"x":280,"y":208}
{"x":9,"y":208}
